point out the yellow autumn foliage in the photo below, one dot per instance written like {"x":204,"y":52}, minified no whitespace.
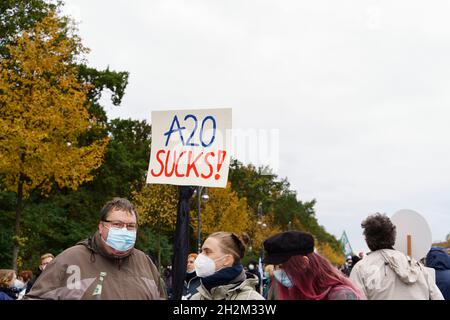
{"x":261,"y":229}
{"x":224,"y":212}
{"x":156,"y":205}
{"x":43,"y":112}
{"x":325,"y":250}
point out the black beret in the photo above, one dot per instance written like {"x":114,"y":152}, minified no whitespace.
{"x":280,"y":247}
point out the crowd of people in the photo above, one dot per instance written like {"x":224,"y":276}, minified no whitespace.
{"x":14,"y":286}
{"x":107,"y":266}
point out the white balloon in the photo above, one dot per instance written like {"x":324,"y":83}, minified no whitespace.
{"x":409,"y":222}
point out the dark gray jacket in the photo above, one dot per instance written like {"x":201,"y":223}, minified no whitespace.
{"x":191,"y":285}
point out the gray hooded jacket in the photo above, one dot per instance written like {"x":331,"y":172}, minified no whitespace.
{"x":391,"y":275}
{"x":241,"y":288}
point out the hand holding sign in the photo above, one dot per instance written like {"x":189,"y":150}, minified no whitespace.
{"x":189,"y":147}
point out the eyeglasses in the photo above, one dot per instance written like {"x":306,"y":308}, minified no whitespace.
{"x":121,"y":225}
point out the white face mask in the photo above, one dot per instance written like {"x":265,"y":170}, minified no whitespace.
{"x":18,"y":284}
{"x":282,"y":277}
{"x":205,"y":266}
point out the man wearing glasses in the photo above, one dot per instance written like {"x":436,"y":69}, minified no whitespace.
{"x":105,"y":266}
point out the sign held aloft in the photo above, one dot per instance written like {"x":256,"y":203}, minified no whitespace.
{"x":190,"y":147}
{"x":413,"y":233}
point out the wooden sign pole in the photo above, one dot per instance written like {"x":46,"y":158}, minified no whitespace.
{"x":409,"y":245}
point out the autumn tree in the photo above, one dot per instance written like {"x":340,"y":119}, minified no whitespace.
{"x":43,"y":114}
{"x":279,"y":202}
{"x":337,"y":258}
{"x":257,"y":185}
{"x":224,"y":211}
{"x":156,"y":205}
{"x":262,"y":228}
{"x":444,"y":244}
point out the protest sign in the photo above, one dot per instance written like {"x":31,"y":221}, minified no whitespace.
{"x":413,"y":233}
{"x":190,"y":147}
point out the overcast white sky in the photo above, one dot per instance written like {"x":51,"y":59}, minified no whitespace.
{"x":358,"y":89}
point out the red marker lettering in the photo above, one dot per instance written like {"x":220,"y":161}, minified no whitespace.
{"x":221,"y":156}
{"x":166,"y":173}
{"x":191,"y":165}
{"x":152,"y":172}
{"x":204,"y":176}
{"x":176,"y":166}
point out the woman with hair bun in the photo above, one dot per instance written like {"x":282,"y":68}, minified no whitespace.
{"x":221,"y":272}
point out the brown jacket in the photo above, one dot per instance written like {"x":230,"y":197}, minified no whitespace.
{"x":86,"y":272}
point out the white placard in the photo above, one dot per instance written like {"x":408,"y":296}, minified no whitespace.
{"x":409,"y":222}
{"x":190,"y":147}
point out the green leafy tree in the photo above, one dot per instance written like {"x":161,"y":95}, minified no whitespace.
{"x":126,"y":159}
{"x":280,"y":203}
{"x":257,"y":185}
{"x":17,"y":16}
{"x":158,"y":247}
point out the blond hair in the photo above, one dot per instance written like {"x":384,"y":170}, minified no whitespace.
{"x":47,"y":255}
{"x":269,"y":269}
{"x":6,"y":276}
{"x":232,"y":244}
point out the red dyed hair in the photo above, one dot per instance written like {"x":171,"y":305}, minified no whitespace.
{"x":313,"y":279}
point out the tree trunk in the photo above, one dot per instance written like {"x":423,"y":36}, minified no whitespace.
{"x":19,"y":208}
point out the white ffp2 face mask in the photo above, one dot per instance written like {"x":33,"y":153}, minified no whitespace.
{"x":18,"y":284}
{"x":205,"y":266}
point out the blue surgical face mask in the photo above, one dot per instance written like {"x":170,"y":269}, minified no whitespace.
{"x":121,"y":239}
{"x":282,"y":277}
